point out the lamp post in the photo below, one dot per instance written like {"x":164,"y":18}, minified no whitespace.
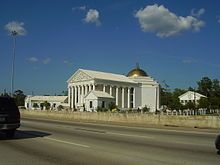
{"x":13,"y":34}
{"x":15,"y":29}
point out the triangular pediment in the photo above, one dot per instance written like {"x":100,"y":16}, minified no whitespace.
{"x":79,"y":76}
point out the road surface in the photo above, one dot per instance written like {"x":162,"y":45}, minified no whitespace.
{"x":50,"y":142}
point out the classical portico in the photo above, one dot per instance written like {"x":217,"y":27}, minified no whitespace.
{"x":125,"y":90}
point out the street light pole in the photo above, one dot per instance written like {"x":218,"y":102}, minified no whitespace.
{"x":13,"y":34}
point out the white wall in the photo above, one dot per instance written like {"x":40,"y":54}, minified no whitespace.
{"x":137,"y":97}
{"x":150,"y":97}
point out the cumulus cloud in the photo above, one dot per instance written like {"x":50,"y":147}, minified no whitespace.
{"x":16,"y":28}
{"x":69,"y":63}
{"x":32,"y":60}
{"x":92,"y":16}
{"x":81,"y":8}
{"x":198,"y":13}
{"x":46,"y":61}
{"x":159,"y":20}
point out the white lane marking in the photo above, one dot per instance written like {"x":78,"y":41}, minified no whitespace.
{"x":121,"y":134}
{"x":66,"y":142}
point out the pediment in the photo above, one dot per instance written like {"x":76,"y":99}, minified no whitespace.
{"x":80,"y":76}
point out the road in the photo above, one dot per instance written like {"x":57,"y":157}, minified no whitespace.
{"x":50,"y":142}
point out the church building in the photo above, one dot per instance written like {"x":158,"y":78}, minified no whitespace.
{"x":88,"y":89}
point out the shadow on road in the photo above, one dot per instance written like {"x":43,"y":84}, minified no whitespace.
{"x":24,"y":134}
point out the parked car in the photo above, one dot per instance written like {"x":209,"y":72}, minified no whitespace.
{"x":217,"y":143}
{"x":9,"y":116}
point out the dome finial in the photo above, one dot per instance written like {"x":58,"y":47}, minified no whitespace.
{"x":137,"y":65}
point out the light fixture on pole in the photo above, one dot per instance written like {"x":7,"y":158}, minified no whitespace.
{"x":14,"y":28}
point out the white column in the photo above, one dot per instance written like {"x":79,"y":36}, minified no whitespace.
{"x":82,"y":96}
{"x":116,"y":96}
{"x":72,"y":99}
{"x":134,"y":98}
{"x":86,"y":90}
{"x":103,"y":87}
{"x":123,"y":97}
{"x":128,"y":97}
{"x":110,"y":90}
{"x":75,"y":97}
{"x":79,"y":95}
{"x":93,"y":86}
{"x":69,"y":95}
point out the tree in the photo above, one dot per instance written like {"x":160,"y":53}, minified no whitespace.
{"x":60,"y":107}
{"x":190,"y":105}
{"x":47,"y":105}
{"x":205,"y":86}
{"x":41,"y":106}
{"x":35,"y":105}
{"x":216,"y":87}
{"x":111,"y":106}
{"x":203,"y":103}
{"x":19,"y":97}
{"x":165,"y":97}
{"x":214,"y":102}
{"x":175,"y":103}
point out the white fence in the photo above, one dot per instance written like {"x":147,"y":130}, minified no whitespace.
{"x":188,"y":112}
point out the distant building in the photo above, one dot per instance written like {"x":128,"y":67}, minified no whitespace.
{"x":89,"y":89}
{"x":190,"y":96}
{"x":54,"y":101}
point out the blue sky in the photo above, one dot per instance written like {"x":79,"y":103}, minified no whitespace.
{"x":175,"y":41}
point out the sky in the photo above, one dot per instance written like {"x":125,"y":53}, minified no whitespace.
{"x":175,"y":41}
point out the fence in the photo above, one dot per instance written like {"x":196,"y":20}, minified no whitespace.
{"x":188,"y":112}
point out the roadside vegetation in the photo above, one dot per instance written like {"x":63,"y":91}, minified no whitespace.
{"x":205,"y":86}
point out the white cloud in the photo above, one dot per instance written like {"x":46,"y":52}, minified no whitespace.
{"x":218,"y":19}
{"x":69,"y":63}
{"x":15,"y":28}
{"x":82,"y":8}
{"x":92,"y":16}
{"x":46,"y":61}
{"x":189,"y":60}
{"x":32,"y":60}
{"x":198,"y":13}
{"x":159,"y":20}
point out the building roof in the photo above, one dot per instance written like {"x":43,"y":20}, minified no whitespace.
{"x":104,"y":76}
{"x":100,"y":94}
{"x":47,"y":98}
{"x":191,"y":94}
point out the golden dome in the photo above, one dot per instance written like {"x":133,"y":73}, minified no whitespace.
{"x":137,"y":72}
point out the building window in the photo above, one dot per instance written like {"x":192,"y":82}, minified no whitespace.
{"x":90,"y":104}
{"x":103,"y":104}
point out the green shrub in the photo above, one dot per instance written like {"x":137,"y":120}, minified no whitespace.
{"x":145,"y":109}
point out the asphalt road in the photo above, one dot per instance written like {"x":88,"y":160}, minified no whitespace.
{"x":67,"y":143}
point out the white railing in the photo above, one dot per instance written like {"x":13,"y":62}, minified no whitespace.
{"x":187,"y":112}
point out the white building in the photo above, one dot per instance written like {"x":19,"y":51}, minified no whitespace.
{"x":136,"y":90}
{"x":54,"y":101}
{"x":97,"y":98}
{"x":190,"y":97}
